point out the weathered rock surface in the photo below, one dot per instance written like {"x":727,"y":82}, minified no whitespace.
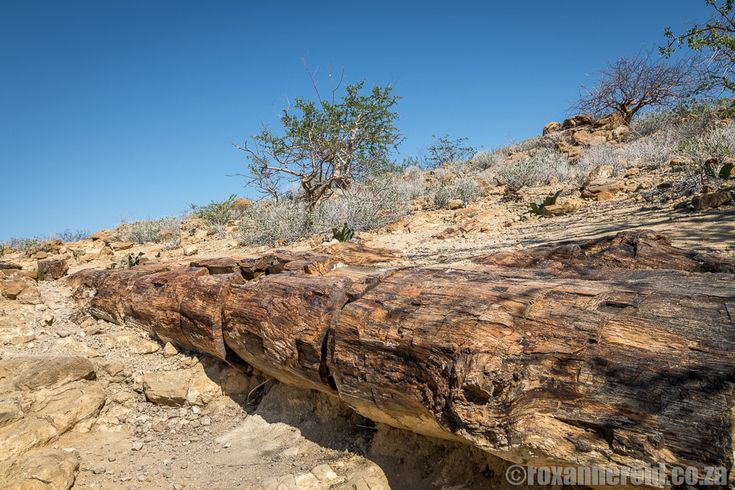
{"x":612,"y":352}
{"x":21,"y":288}
{"x":584,"y":130}
{"x":52,"y":469}
{"x":709,"y":200}
{"x":52,"y":269}
{"x":42,"y":397}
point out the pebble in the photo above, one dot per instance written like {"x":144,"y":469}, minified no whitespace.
{"x":226,"y":445}
{"x":137,"y":446}
{"x":206,"y":421}
{"x":99,"y":470}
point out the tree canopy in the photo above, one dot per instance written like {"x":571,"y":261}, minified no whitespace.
{"x":326,"y":144}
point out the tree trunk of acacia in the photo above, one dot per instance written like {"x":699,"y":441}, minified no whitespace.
{"x":616,"y":352}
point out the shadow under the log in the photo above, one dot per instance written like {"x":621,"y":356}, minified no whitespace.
{"x":406,"y":459}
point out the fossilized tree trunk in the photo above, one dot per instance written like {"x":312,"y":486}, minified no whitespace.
{"x":615,"y":352}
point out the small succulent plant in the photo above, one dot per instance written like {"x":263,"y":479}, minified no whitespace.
{"x":131,"y":260}
{"x":344,"y":234}
{"x":550,"y":200}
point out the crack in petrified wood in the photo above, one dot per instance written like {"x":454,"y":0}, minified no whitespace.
{"x":618,"y":351}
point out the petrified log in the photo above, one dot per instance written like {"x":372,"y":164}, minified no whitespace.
{"x":615,"y":352}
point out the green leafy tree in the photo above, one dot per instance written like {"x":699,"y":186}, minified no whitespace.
{"x":447,"y":150}
{"x":325,"y":145}
{"x":715,"y":37}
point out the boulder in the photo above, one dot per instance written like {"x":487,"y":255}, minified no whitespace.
{"x":13,"y":287}
{"x":569,"y":206}
{"x":167,"y":388}
{"x":611,"y":186}
{"x":202,"y":386}
{"x":190,"y":250}
{"x":36,"y":372}
{"x":105,"y":236}
{"x":118,"y":246}
{"x":599,"y":173}
{"x":610,"y":122}
{"x":42,"y":398}
{"x":604,"y":196}
{"x":619,"y":134}
{"x":193,"y":386}
{"x":709,"y":200}
{"x":169,"y":350}
{"x":572,"y":151}
{"x":455,"y":204}
{"x":50,"y":469}
{"x":52,"y":246}
{"x":52,"y":269}
{"x":588,"y":138}
{"x":551,"y":127}
{"x":577,"y":121}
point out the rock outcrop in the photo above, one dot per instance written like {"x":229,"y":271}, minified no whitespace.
{"x":52,"y":269}
{"x":578,"y":132}
{"x":41,"y":398}
{"x":615,"y":352}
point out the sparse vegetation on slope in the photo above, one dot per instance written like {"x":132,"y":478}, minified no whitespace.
{"x":366,"y":205}
{"x":160,"y":230}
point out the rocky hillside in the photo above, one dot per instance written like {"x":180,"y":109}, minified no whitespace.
{"x":466,"y":333}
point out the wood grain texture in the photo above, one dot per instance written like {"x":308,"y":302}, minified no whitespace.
{"x":612,"y":352}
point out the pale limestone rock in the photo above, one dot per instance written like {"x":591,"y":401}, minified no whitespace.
{"x":455,"y":204}
{"x":53,"y":469}
{"x":167,"y":388}
{"x":169,"y":350}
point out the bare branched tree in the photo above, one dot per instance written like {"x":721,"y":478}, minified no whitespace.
{"x":630,"y":84}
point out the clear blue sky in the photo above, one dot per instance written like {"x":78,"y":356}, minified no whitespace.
{"x":128,"y":109}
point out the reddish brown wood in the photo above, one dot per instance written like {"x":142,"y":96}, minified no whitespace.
{"x":612,"y":352}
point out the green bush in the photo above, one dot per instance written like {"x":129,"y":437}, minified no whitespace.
{"x":216,"y":213}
